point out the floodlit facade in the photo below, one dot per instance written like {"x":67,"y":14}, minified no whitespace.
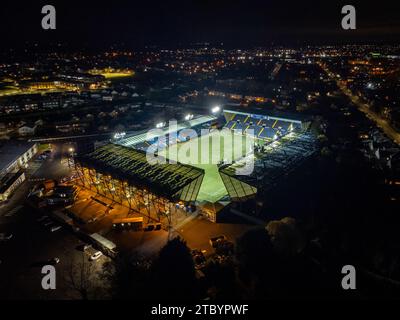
{"x":124,"y":175}
{"x":14,"y":158}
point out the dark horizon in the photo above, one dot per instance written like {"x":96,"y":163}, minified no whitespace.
{"x":177,"y":23}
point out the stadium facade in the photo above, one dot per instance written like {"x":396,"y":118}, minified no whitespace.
{"x":120,"y":170}
{"x":124,"y":175}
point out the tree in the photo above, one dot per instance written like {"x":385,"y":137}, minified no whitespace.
{"x":174,"y":272}
{"x":255,"y":257}
{"x":326,"y":152}
{"x":286,"y":237}
{"x":221,"y":279}
{"x":271,"y":262}
{"x":129,"y":276}
{"x":80,"y":276}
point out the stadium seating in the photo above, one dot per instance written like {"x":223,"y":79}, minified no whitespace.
{"x":283,"y":125}
{"x":263,"y":128}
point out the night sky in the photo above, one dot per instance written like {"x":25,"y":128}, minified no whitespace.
{"x":96,"y":24}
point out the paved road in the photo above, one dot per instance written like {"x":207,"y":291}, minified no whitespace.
{"x":381,"y":123}
{"x":366,"y":109}
{"x":32,"y":246}
{"x":197,"y":232}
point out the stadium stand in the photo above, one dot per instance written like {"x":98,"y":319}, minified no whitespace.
{"x":264,"y":127}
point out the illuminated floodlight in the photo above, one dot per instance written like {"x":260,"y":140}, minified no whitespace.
{"x":216,"y":109}
{"x":119,"y":135}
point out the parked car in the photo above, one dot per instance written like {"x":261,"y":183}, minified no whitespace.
{"x":215,"y":240}
{"x":149,"y":227}
{"x":54,"y":261}
{"x":96,"y":255}
{"x":42,"y":218}
{"x":224,"y":247}
{"x":5,"y":236}
{"x":199,"y":258}
{"x":83,"y":247}
{"x":48,"y":223}
{"x":55,"y":228}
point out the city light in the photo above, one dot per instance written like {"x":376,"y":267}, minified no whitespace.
{"x":189,"y":117}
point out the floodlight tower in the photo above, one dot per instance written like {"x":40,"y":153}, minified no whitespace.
{"x":216,"y":110}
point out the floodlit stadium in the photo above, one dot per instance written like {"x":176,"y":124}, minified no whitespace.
{"x":195,"y":162}
{"x":208,"y":152}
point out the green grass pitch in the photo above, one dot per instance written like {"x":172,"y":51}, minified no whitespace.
{"x":205,"y":152}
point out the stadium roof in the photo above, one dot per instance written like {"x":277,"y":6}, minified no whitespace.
{"x":127,"y":164}
{"x":285,"y":116}
{"x":280,"y":158}
{"x":148,"y":135}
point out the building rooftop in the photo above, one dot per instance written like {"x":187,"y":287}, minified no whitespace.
{"x":11,"y":151}
{"x":127,"y":164}
{"x":280,"y":158}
